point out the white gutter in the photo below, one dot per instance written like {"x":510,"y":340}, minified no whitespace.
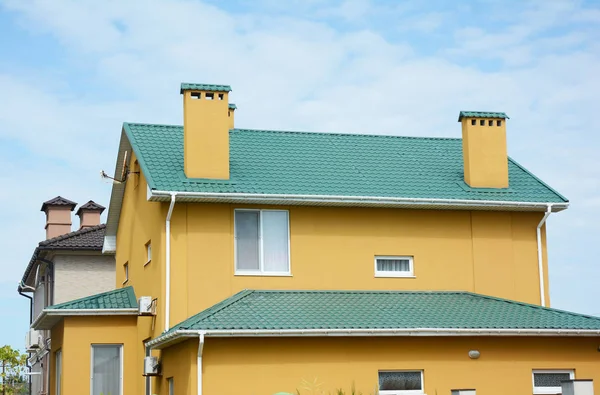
{"x":180,"y":334}
{"x":354,"y":199}
{"x":200,"y":350}
{"x":81,"y":312}
{"x":168,"y":262}
{"x":539,"y":250}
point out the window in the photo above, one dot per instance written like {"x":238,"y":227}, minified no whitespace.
{"x":170,"y":386}
{"x":107,"y":368}
{"x":126,"y":270}
{"x":498,"y":123}
{"x":262,"y":242}
{"x":482,"y":122}
{"x":148,"y":252}
{"x":490,"y":123}
{"x":549,"y":381}
{"x":401,"y":382}
{"x":394,"y":266}
{"x":58,"y":371}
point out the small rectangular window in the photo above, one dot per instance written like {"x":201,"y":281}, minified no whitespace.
{"x":126,"y":272}
{"x":550,"y":381}
{"x":401,"y":382}
{"x":171,"y":386}
{"x":473,"y":122}
{"x":148,"y":252}
{"x":262,"y":242}
{"x":107,"y":368}
{"x":490,"y":123}
{"x":482,"y":122}
{"x":498,"y":123}
{"x":58,"y":372}
{"x":394,"y":266}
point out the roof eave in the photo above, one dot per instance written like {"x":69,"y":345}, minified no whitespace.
{"x":49,"y":317}
{"x":336,"y":200}
{"x":180,"y":335}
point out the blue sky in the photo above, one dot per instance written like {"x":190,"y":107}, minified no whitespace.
{"x":72,"y":71}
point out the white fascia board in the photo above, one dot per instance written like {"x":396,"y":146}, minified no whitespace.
{"x":164,"y":340}
{"x":354,"y":200}
{"x":59,"y":313}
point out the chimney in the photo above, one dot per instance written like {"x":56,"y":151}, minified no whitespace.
{"x":230,"y":114}
{"x":58,"y":216}
{"x":206,"y":122}
{"x":89,"y":214}
{"x":484,"y":149}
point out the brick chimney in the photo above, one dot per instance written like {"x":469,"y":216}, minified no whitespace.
{"x":58,"y":216}
{"x":484,"y":149}
{"x":207,"y":118}
{"x":89,"y":214}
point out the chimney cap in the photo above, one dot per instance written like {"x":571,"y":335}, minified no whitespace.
{"x":58,"y":201}
{"x":232,"y":106}
{"x":90,"y":206}
{"x":189,"y":86}
{"x":481,"y":114}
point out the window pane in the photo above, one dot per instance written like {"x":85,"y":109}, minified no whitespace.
{"x":397,"y":381}
{"x":550,"y":379}
{"x":393,"y":265}
{"x":58,"y":371}
{"x":246,"y":234}
{"x":275,"y":241}
{"x":106,"y":371}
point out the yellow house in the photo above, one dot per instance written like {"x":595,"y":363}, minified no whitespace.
{"x":268,"y":261}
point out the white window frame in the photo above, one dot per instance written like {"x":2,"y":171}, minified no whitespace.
{"x":550,"y":390}
{"x":148,"y":252}
{"x":402,"y":392}
{"x":58,"y":368}
{"x":409,"y":274}
{"x":126,"y":269}
{"x":261,"y":271}
{"x":121,"y":354}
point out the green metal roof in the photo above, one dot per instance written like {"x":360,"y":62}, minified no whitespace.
{"x":310,"y":310}
{"x":481,"y":114}
{"x":122,"y":298}
{"x":204,"y":87}
{"x":300,"y":163}
{"x":232,"y":106}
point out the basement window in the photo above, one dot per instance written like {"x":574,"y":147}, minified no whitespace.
{"x":209,"y":96}
{"x":550,"y":381}
{"x":498,"y":123}
{"x":401,"y":382}
{"x":394,"y":266}
{"x":482,"y":122}
{"x":195,"y":95}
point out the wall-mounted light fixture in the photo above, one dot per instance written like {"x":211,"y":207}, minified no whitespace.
{"x":474,"y":354}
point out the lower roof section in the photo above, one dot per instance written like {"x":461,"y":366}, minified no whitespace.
{"x":377,"y":313}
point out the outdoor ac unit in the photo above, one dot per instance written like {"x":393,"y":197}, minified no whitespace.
{"x":32,"y":340}
{"x":145,"y":305}
{"x":151,"y":366}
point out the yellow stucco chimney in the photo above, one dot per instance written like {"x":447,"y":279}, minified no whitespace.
{"x":206,"y":124}
{"x":484,"y":149}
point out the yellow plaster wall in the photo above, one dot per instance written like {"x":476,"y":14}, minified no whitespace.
{"x":75,"y":336}
{"x":492,"y":253}
{"x":180,"y":363}
{"x":57,"y":336}
{"x":268,"y":365}
{"x":485,"y":153}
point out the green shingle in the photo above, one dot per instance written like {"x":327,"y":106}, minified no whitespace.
{"x":122,"y":298}
{"x":232,"y":106}
{"x":481,"y":114}
{"x":204,"y":87}
{"x":300,"y":163}
{"x":283,"y":310}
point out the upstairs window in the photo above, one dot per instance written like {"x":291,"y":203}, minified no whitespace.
{"x":126,"y":272}
{"x":401,"y":382}
{"x":262,"y":242}
{"x":550,"y":381}
{"x":148,"y":252}
{"x":394,"y":266}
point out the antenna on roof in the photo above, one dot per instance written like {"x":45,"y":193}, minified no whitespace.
{"x":122,"y":177}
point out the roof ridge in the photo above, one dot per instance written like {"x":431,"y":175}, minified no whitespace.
{"x":531,"y":305}
{"x":74,"y":233}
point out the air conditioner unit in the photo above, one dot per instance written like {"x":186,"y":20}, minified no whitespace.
{"x":145,"y":305}
{"x":151,"y":366}
{"x":32,"y":340}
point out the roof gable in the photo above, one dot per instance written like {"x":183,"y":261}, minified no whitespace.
{"x":340,"y":310}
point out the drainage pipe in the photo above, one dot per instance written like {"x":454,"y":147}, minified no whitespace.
{"x":540,"y":257}
{"x":168,"y":262}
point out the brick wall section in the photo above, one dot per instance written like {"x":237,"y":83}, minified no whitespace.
{"x":78,"y":276}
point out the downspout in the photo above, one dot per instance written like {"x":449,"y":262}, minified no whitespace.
{"x":540,"y":260}
{"x":200,"y":351}
{"x":148,"y":378}
{"x":168,"y":263}
{"x":27,"y":365}
{"x":46,"y":378}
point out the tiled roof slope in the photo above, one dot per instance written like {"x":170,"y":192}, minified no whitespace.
{"x":122,"y":298}
{"x":281,"y":310}
{"x":58,"y":201}
{"x":90,"y":206}
{"x":276,"y":162}
{"x":83,"y":239}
